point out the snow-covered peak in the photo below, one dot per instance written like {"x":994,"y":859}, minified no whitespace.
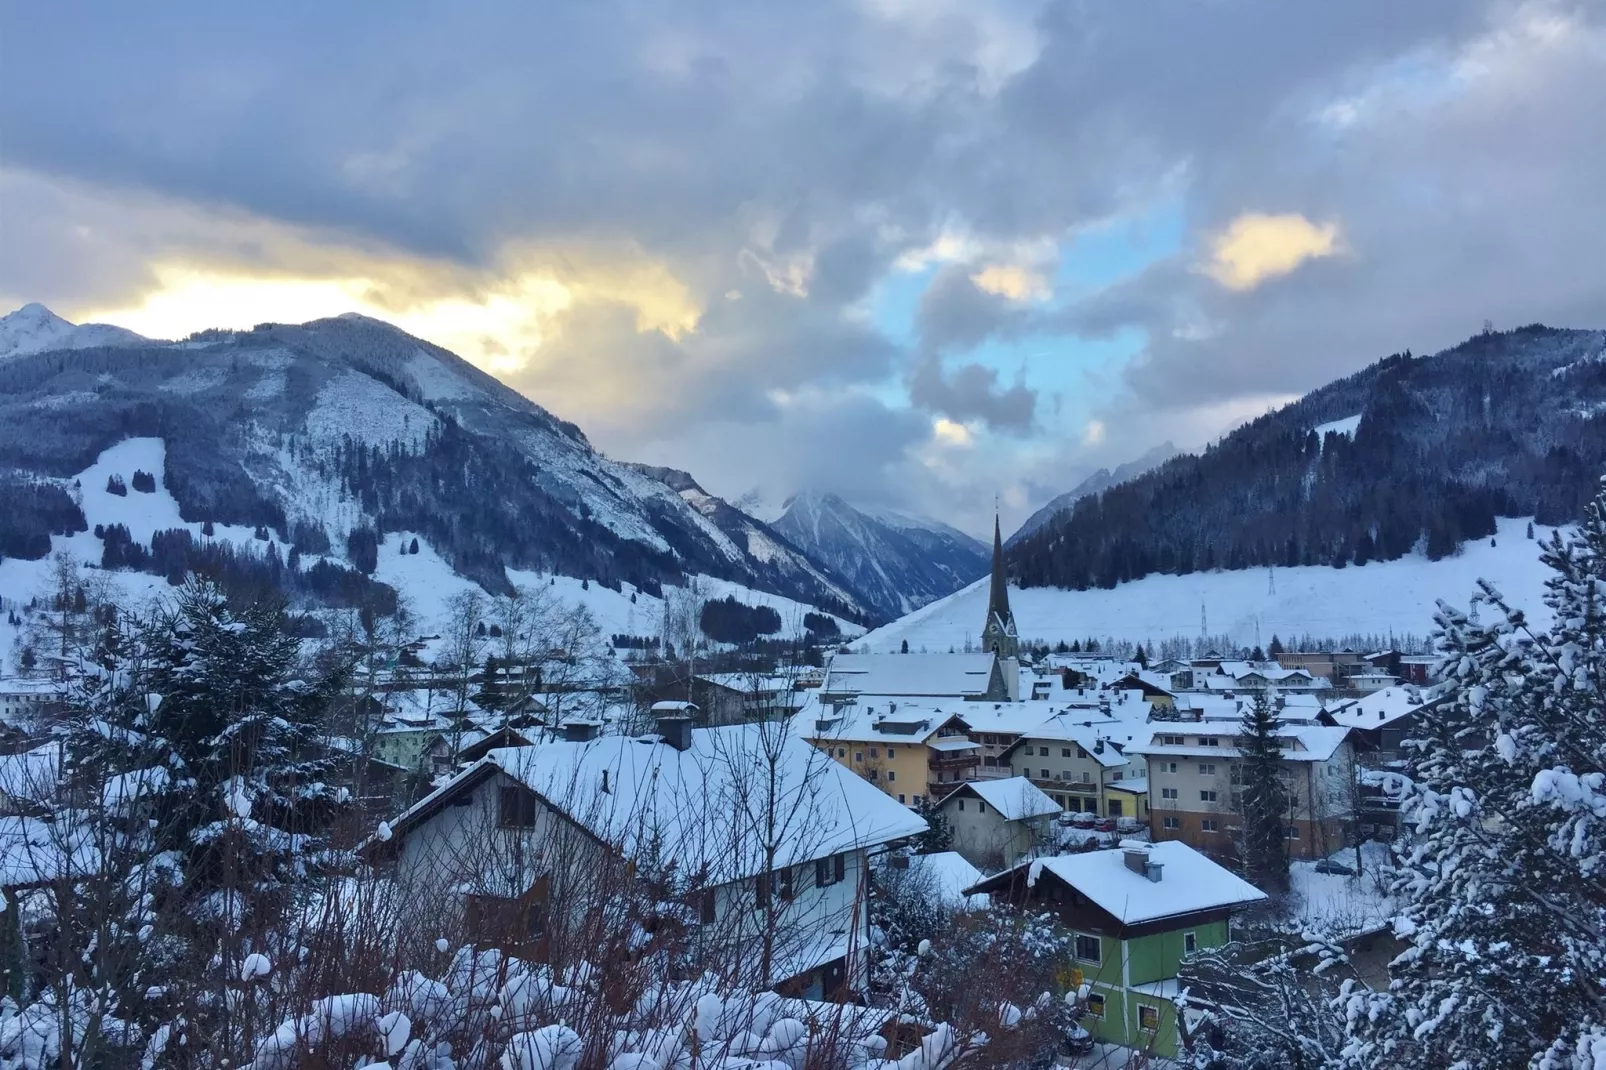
{"x":33,"y":328}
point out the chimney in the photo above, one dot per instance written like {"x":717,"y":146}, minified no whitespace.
{"x":676,"y":731}
{"x":1152,"y":871}
{"x":581,"y":731}
{"x":1136,"y":859}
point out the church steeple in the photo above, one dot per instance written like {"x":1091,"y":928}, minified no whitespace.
{"x":998,"y":633}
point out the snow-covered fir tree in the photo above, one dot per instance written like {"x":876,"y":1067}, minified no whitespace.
{"x":1263,"y":843}
{"x":1504,"y":892}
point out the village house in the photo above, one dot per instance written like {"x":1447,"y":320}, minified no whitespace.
{"x":998,"y":726}
{"x":1194,"y":784}
{"x":996,"y":822}
{"x":913,"y":751}
{"x":1238,"y":676}
{"x":1330,"y":665}
{"x":1083,"y":766}
{"x":735,"y":697}
{"x":1136,"y":912}
{"x":921,"y":676}
{"x":762,"y":841}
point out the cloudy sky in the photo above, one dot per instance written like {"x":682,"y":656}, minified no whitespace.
{"x":920,"y":252}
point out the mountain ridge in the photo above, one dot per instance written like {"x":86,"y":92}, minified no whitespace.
{"x":348,"y":424}
{"x":896,"y":561}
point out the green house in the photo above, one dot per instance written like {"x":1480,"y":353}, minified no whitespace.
{"x":1136,"y":910}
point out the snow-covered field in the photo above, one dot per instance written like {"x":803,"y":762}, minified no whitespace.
{"x":1379,"y":598}
{"x":425,"y":579}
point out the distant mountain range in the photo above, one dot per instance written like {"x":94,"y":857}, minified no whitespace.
{"x":1096,"y":483}
{"x":895,"y":562}
{"x":330,"y":432}
{"x":1410,"y":455}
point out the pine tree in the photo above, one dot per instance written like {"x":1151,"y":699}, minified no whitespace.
{"x":1263,"y":842}
{"x":1275,"y":647}
{"x":492,"y":694}
{"x":1504,"y":896}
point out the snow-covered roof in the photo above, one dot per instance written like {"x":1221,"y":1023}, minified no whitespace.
{"x":749,"y":683}
{"x":34,"y":851}
{"x":917,"y":675}
{"x":1383,"y":707}
{"x":948,"y":874}
{"x":1115,"y":735}
{"x":1301,"y":742}
{"x":869,"y":720}
{"x":1189,"y":882}
{"x":1015,"y":798}
{"x":953,"y":745}
{"x":702,"y":810}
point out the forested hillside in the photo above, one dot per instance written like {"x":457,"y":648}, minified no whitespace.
{"x":1504,"y":424}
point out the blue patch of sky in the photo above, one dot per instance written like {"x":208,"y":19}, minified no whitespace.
{"x":1081,"y":371}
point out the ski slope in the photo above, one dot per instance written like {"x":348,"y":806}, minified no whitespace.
{"x":1382,"y":597}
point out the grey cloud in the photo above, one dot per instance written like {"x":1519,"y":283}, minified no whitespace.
{"x":972,"y":392}
{"x":693,"y":132}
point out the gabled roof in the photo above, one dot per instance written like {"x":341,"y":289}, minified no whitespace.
{"x":1384,"y":707}
{"x":1301,"y":742}
{"x":1116,"y":736}
{"x":703,"y":811}
{"x":914,"y":675}
{"x":1189,"y":882}
{"x":1015,"y":798}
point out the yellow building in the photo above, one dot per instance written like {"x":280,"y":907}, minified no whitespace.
{"x":910,"y":750}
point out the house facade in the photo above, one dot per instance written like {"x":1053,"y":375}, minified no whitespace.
{"x":741,"y":847}
{"x":1134,"y":912}
{"x":1194,"y":784}
{"x":914,"y":752}
{"x":1078,"y":764}
{"x":997,"y":822}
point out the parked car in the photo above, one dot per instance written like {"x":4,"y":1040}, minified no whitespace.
{"x":1085,"y":821}
{"x":1105,"y":824}
{"x":1328,"y":865}
{"x":1078,"y":1041}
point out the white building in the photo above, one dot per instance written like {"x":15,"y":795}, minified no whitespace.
{"x":996,"y":822}
{"x":744,"y":839}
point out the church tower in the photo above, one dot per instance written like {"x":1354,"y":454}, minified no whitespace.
{"x":998,"y":634}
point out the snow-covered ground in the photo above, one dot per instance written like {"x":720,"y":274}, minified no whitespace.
{"x":1338,"y":904}
{"x":424,"y":578}
{"x":1382,"y":597}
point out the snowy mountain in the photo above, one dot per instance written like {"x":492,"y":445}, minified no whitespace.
{"x":332,"y":435}
{"x":893,"y":561}
{"x":1097,"y":483}
{"x":1410,"y":455}
{"x":34,"y":329}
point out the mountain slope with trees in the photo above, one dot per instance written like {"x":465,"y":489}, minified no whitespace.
{"x":335,"y":432}
{"x":1505,"y":424}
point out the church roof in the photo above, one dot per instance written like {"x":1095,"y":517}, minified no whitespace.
{"x":998,"y":596}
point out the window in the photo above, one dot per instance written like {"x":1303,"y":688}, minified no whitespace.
{"x":900,"y":795}
{"x":761,"y":891}
{"x":1292,"y":832}
{"x":1237,"y":775}
{"x":1209,"y":825}
{"x":1168,"y":767}
{"x":1044,"y":772}
{"x":515,"y":807}
{"x":1207,"y":768}
{"x":920,"y":800}
{"x":1065,"y":752}
{"x":1148,"y":1018}
{"x":1172,"y":823}
{"x":889,"y":755}
{"x":784,"y":885}
{"x":961,"y":804}
{"x":1293,"y":801}
{"x":1042,"y":752}
{"x":858,"y":755}
{"x":842,"y":752}
{"x":871,"y":774}
{"x":872,"y":753}
{"x":892,"y":774}
{"x":1171,"y":741}
{"x":1095,"y":1004}
{"x":1209,"y":741}
{"x":1168,"y":793}
{"x":1088,"y":949}
{"x":1190,"y":943}
{"x":710,"y":907}
{"x":981,"y":807}
{"x":1207,"y":796}
{"x":825,"y":872}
